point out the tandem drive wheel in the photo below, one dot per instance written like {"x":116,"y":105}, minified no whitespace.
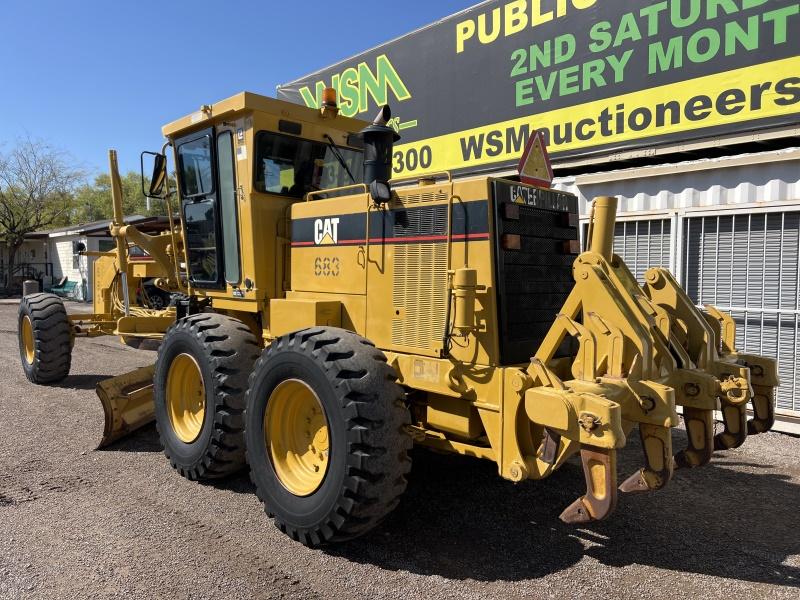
{"x":45,"y":338}
{"x":199,"y":385}
{"x":325,"y":431}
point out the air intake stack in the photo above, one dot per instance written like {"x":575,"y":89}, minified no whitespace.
{"x":378,"y":144}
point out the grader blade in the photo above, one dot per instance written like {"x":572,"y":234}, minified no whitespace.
{"x":127,"y":403}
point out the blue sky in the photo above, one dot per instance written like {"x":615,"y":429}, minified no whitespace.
{"x":89,"y":75}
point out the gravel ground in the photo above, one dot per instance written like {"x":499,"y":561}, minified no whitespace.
{"x":81,"y":523}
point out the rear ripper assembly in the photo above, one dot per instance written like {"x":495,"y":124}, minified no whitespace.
{"x":642,"y":351}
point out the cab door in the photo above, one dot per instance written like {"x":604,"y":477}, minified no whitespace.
{"x":207,"y":174}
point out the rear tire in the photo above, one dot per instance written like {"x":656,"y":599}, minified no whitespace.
{"x":157,"y":301}
{"x":45,"y":338}
{"x":199,"y":386}
{"x":365,"y":442}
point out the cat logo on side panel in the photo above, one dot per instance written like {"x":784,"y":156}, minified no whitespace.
{"x":326,"y":231}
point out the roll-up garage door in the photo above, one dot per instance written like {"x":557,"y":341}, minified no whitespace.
{"x":643,"y":244}
{"x":748,"y":264}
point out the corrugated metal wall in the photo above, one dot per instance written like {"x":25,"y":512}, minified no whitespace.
{"x":644,"y":244}
{"x":748,"y":265}
{"x":761,"y":179}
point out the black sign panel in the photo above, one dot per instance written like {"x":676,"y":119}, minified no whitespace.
{"x":595,"y":76}
{"x":520,"y":193}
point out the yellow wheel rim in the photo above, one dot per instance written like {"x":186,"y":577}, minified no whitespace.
{"x":186,"y":398}
{"x":296,"y":434}
{"x":27,"y":339}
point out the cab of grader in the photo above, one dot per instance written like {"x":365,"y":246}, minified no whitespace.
{"x":325,"y":319}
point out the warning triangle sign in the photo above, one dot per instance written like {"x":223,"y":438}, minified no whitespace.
{"x":534,"y":166}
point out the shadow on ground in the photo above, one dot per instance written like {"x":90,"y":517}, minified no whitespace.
{"x":79,"y":382}
{"x":146,"y":440}
{"x":459,"y":520}
{"x":141,"y":440}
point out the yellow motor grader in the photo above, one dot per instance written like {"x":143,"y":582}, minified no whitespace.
{"x":325,"y":318}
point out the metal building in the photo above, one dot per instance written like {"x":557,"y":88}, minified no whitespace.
{"x":699,"y":219}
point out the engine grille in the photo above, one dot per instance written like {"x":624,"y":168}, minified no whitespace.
{"x":420,"y":291}
{"x":533,"y":282}
{"x":420,"y":277}
{"x":401,"y":200}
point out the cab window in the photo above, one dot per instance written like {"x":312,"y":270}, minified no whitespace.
{"x":201,"y":239}
{"x":197,"y":176}
{"x":292,"y":166}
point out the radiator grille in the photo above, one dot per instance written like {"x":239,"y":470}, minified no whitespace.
{"x":533,"y":282}
{"x":420,"y":293}
{"x":429,"y":220}
{"x":401,"y":200}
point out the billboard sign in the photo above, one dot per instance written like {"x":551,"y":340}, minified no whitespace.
{"x":593,"y":76}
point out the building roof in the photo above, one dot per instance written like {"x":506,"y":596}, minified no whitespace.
{"x":101,"y":228}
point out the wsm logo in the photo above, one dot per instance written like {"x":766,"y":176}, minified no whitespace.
{"x":356,"y":85}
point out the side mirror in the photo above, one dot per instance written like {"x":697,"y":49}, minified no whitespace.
{"x":158,"y":178}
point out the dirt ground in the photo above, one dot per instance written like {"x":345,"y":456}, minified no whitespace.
{"x":81,"y":523}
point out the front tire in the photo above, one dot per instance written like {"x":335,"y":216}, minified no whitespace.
{"x":199,"y":386}
{"x":325,"y":432}
{"x":45,"y":338}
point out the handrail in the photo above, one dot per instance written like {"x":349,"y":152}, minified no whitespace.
{"x":176,"y":252}
{"x":433,"y":176}
{"x":362,"y":186}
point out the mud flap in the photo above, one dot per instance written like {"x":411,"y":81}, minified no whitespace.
{"x":127,"y":403}
{"x":600,"y":471}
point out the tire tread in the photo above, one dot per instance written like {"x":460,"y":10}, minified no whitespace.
{"x":231,"y":349}
{"x":52,"y":337}
{"x":377,"y":439}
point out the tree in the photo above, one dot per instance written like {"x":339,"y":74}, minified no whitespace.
{"x":93,"y":200}
{"x":36,"y":191}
